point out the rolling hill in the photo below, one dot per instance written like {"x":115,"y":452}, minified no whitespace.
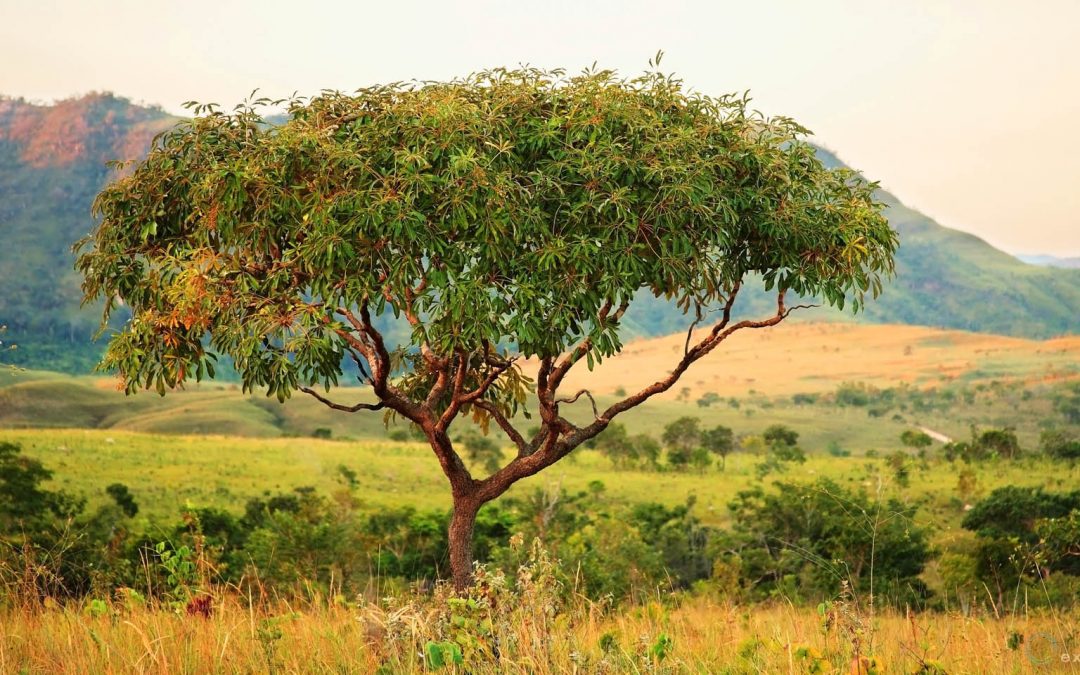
{"x":752,"y":378}
{"x":52,"y":163}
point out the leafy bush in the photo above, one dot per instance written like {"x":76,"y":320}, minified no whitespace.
{"x":807,"y":540}
{"x":853,"y":394}
{"x":1024,"y":533}
{"x":916,"y":439}
{"x":1060,"y":444}
{"x":625,"y":451}
{"x":985,"y":445}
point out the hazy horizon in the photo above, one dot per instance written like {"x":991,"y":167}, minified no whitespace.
{"x":962,"y":110}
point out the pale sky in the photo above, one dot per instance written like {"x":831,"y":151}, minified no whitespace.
{"x":966,"y":110}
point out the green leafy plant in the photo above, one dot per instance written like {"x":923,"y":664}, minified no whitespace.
{"x":181,"y":571}
{"x":661,"y":647}
{"x":443,"y":654}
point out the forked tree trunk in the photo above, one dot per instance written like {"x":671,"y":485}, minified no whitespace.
{"x":462,"y":523}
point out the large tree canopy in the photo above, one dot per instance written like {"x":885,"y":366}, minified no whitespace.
{"x":509,"y":213}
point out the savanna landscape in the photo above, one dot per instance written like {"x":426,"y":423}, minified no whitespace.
{"x":517,"y":370}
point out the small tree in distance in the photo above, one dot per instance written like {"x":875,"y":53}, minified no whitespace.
{"x":510,"y":207}
{"x":626,"y":451}
{"x":681,"y":437}
{"x":719,"y":440}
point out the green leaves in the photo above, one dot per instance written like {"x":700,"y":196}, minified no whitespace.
{"x":507,"y":207}
{"x":442,"y":654}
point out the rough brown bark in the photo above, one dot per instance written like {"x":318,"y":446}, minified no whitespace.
{"x":462,"y":523}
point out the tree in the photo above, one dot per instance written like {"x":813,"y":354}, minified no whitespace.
{"x":624,"y":450}
{"x":808,"y":539}
{"x":1018,"y":526}
{"x":123,"y":498}
{"x":1001,"y":442}
{"x":916,"y":439}
{"x":681,"y":437}
{"x":707,"y":399}
{"x":719,"y":440}
{"x":780,"y":436}
{"x":781,"y":449}
{"x":25,"y":506}
{"x":1060,"y":444}
{"x":510,"y":207}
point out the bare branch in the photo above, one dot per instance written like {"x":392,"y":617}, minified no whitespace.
{"x":377,"y":342}
{"x":720,"y":332}
{"x":693,"y":324}
{"x":337,"y":406}
{"x":505,"y":425}
{"x":364,"y":374}
{"x":372,"y":347}
{"x":575,"y":397}
{"x":544,"y":393}
{"x":456,"y":395}
{"x":489,"y":380}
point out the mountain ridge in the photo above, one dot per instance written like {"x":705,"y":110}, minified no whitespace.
{"x":1044,"y":260}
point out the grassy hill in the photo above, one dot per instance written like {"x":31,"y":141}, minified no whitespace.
{"x":1051,"y":261}
{"x":52,"y":163}
{"x":943,"y":380}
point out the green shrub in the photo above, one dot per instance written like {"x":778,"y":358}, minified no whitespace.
{"x":805,"y":541}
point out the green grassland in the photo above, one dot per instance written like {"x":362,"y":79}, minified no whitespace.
{"x":168,"y":472}
{"x":39,"y":400}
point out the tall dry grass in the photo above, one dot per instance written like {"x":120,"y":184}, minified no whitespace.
{"x":697,"y":636}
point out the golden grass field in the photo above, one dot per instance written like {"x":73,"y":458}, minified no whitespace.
{"x":704,"y":636}
{"x":808,"y":357}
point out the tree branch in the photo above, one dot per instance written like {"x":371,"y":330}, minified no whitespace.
{"x":364,"y":374}
{"x":373,"y":348}
{"x":720,"y":332}
{"x":489,"y":379}
{"x":725,"y":317}
{"x":337,"y":406}
{"x":505,"y":425}
{"x":575,"y":397}
{"x":455,"y":397}
{"x":552,"y":448}
{"x":583,"y":347}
